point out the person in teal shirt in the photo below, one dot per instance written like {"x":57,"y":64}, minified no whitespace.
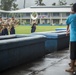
{"x":71,"y":26}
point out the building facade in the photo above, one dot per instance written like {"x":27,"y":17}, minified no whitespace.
{"x":54,"y":15}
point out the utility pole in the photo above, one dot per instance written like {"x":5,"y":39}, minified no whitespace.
{"x":24,"y":3}
{"x":0,"y":4}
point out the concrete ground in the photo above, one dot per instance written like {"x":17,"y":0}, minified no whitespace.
{"x":52,"y":64}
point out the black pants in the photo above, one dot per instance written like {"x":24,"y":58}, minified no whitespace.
{"x":0,"y":33}
{"x":33,"y":30}
{"x":73,"y":50}
{"x":4,"y":31}
{"x":12,"y":31}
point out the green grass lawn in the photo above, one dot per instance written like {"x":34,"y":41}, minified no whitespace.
{"x":27,"y":29}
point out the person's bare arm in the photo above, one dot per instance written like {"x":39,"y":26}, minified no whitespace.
{"x":67,"y":32}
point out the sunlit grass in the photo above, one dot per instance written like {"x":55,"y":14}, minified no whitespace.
{"x":27,"y":29}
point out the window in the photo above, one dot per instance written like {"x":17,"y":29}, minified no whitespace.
{"x":27,"y":14}
{"x":38,"y":13}
{"x":55,"y":14}
{"x":56,"y":21}
{"x":44,"y":13}
{"x":24,"y":14}
{"x":4,"y":14}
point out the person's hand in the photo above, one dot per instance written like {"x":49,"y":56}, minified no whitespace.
{"x":67,"y":32}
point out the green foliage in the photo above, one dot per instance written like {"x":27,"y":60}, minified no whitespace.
{"x":7,"y":4}
{"x":71,"y":4}
{"x":62,"y":2}
{"x":54,"y":4}
{"x":14,"y":5}
{"x":39,"y":2}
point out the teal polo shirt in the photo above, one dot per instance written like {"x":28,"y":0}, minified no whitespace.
{"x":72,"y":22}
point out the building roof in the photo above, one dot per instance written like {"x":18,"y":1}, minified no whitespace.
{"x":3,"y":11}
{"x":43,"y":9}
{"x":58,"y":6}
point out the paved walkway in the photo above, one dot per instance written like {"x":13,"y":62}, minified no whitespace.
{"x":52,"y":64}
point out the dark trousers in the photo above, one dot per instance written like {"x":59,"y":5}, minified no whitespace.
{"x":4,"y":31}
{"x":0,"y":33}
{"x":33,"y":29}
{"x":73,"y":50}
{"x":12,"y":31}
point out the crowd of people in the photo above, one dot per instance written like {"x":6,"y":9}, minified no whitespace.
{"x":7,"y":26}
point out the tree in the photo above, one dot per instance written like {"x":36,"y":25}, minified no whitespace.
{"x":14,"y":6}
{"x":62,"y":2}
{"x":71,"y":4}
{"x":54,"y":4}
{"x":7,"y":4}
{"x":39,"y":2}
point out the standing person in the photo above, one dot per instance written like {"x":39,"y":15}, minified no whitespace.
{"x":12,"y":26}
{"x":72,"y":12}
{"x":0,"y":30}
{"x":8,"y":23}
{"x":3,"y":27}
{"x":33,"y":28}
{"x":71,"y":25}
{"x":34,"y":17}
{"x":0,"y":26}
{"x":5,"y":30}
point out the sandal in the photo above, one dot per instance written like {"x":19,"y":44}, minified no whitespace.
{"x":69,"y":70}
